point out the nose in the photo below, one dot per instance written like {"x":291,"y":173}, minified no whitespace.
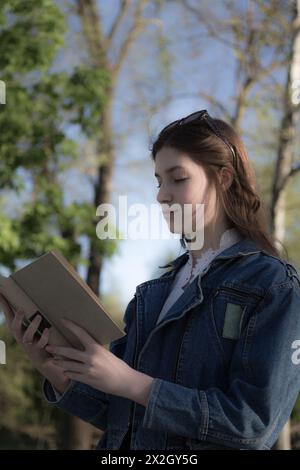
{"x":163,"y":196}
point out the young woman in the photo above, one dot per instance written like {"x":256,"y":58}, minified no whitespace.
{"x":209,"y":359}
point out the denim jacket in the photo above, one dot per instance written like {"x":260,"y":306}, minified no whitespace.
{"x":221,"y":358}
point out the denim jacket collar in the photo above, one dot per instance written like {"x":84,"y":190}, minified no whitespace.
{"x":242,"y":247}
{"x":152,"y":294}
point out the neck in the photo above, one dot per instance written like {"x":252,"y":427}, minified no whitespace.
{"x":212,"y":237}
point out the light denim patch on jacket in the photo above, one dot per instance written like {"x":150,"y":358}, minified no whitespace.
{"x":221,"y":359}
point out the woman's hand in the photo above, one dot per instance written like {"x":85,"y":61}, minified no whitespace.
{"x":34,"y":348}
{"x":98,"y":367}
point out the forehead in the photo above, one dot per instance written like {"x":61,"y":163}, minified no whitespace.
{"x":168,"y":158}
{"x":168,"y":155}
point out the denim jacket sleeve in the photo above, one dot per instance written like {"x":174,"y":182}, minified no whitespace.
{"x":82,"y":400}
{"x":263,"y":387}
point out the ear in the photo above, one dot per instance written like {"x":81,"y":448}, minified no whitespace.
{"x":225,"y":178}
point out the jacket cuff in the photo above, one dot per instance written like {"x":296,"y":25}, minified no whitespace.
{"x":176,"y":409}
{"x":52,"y":396}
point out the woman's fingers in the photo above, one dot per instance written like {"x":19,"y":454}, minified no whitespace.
{"x":70,"y":353}
{"x":43,"y":341}
{"x":16,"y":325}
{"x":72,"y":366}
{"x":31,"y":329}
{"x":8,"y":313}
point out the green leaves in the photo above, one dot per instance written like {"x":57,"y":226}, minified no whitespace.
{"x":37,"y":142}
{"x":86,"y":95}
{"x":48,"y":115}
{"x":30,"y":35}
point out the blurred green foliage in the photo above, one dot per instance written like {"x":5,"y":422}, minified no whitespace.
{"x":36,"y":214}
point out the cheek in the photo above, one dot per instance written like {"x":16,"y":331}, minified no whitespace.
{"x":189,"y":191}
{"x":199,"y":197}
{"x":196,"y":195}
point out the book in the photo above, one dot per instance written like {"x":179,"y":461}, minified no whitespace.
{"x":51,"y":287}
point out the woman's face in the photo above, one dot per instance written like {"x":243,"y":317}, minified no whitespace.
{"x":182,"y":181}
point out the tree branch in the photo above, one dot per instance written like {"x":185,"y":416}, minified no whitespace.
{"x":121,"y":14}
{"x":213,"y":31}
{"x":137,"y":26}
{"x":87,"y":9}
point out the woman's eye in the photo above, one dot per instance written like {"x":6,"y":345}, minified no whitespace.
{"x":176,"y":181}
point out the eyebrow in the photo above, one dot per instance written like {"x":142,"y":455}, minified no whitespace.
{"x":171,"y":169}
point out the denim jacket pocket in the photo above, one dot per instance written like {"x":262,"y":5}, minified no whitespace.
{"x":230,"y":309}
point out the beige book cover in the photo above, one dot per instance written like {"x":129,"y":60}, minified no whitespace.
{"x":51,"y":287}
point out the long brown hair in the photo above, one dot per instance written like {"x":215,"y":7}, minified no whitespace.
{"x":242,"y":204}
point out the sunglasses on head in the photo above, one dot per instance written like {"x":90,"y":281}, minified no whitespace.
{"x":199,"y":116}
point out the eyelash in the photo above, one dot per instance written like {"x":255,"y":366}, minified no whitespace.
{"x":177,"y":181}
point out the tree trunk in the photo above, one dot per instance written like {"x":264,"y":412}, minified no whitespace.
{"x":98,"y":49}
{"x":284,"y":169}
